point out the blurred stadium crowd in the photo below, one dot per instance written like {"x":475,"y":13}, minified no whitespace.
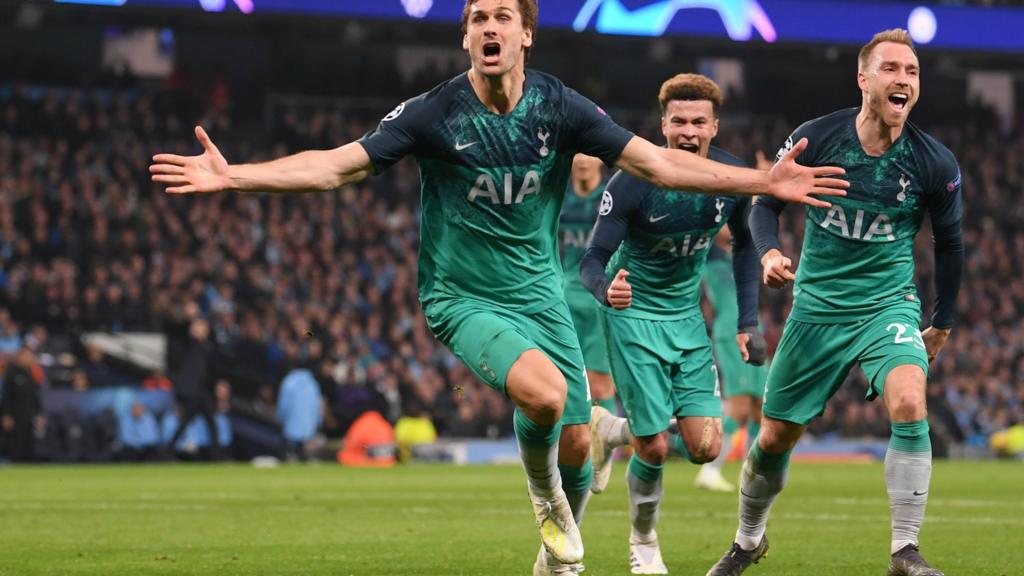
{"x":327,"y":282}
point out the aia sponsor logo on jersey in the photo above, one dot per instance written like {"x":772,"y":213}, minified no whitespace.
{"x":857,"y":226}
{"x":684,"y":248}
{"x":510,"y":193}
{"x":576,"y":238}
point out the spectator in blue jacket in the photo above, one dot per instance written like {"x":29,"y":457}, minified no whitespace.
{"x":138,"y":434}
{"x":299,"y":408}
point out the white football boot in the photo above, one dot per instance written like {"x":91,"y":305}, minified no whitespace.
{"x":601,"y":453}
{"x":547,"y":565}
{"x":710,"y":478}
{"x":558,"y":531}
{"x":645,"y":556}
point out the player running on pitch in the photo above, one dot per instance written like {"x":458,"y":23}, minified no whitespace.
{"x":494,"y":147}
{"x":854,"y":297}
{"x":577,"y":222}
{"x":644,"y":264}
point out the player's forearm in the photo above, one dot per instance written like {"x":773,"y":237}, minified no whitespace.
{"x":764,"y":224}
{"x":677,"y":170}
{"x":302,"y":172}
{"x":592,"y":272}
{"x":949,"y":265}
{"x":310,"y":171}
{"x":686,"y":171}
{"x":747,"y":273}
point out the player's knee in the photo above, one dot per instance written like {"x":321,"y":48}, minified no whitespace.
{"x":548,"y":404}
{"x":538,"y":388}
{"x":653,"y":449}
{"x":776,"y":437}
{"x":907,"y":406}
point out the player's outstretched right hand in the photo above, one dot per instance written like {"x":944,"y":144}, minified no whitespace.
{"x":207,"y":172}
{"x":792,"y":182}
{"x":778,"y":270}
{"x":620,"y":293}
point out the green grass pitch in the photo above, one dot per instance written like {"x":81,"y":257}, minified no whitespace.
{"x":417,"y":520}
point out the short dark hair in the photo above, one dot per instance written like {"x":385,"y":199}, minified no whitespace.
{"x":690,"y":87}
{"x":527,"y":10}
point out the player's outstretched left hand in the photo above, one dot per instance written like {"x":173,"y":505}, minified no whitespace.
{"x":791,"y":182}
{"x":207,"y":172}
{"x":753,"y":348}
{"x":934,"y":339}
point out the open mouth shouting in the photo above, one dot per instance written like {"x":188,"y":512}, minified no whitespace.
{"x":492,"y":53}
{"x":899,"y":101}
{"x":689,"y":147}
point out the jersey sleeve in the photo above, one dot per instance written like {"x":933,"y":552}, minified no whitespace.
{"x":591,"y":131}
{"x":808,"y":156}
{"x":765,"y":210}
{"x":764,"y":223}
{"x":398,"y":133}
{"x":746,"y":270}
{"x":945,"y":207}
{"x":619,"y":201}
{"x":945,"y":201}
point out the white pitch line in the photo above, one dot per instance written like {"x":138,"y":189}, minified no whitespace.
{"x":40,"y":506}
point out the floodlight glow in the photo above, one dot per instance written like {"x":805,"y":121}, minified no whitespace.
{"x":417,"y":8}
{"x":922,"y":25}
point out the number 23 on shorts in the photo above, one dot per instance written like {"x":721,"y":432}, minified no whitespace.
{"x":901,"y":334}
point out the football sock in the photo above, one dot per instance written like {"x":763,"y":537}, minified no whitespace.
{"x":753,"y":429}
{"x":676,"y":443}
{"x":908,"y":471}
{"x":763,"y":477}
{"x":615,"y":431}
{"x":645,"y":489}
{"x":576,"y":484}
{"x":538,"y":449}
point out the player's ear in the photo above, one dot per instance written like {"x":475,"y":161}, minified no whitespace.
{"x":527,"y":38}
{"x":465,"y":42}
{"x":862,"y":80}
{"x":714,"y":127}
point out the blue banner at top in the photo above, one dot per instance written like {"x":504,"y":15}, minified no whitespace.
{"x":855,"y":22}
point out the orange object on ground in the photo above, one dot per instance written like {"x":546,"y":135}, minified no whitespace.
{"x":737,"y":452}
{"x":369,"y":442}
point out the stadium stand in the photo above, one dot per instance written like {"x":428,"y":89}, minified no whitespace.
{"x":328,"y":282}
